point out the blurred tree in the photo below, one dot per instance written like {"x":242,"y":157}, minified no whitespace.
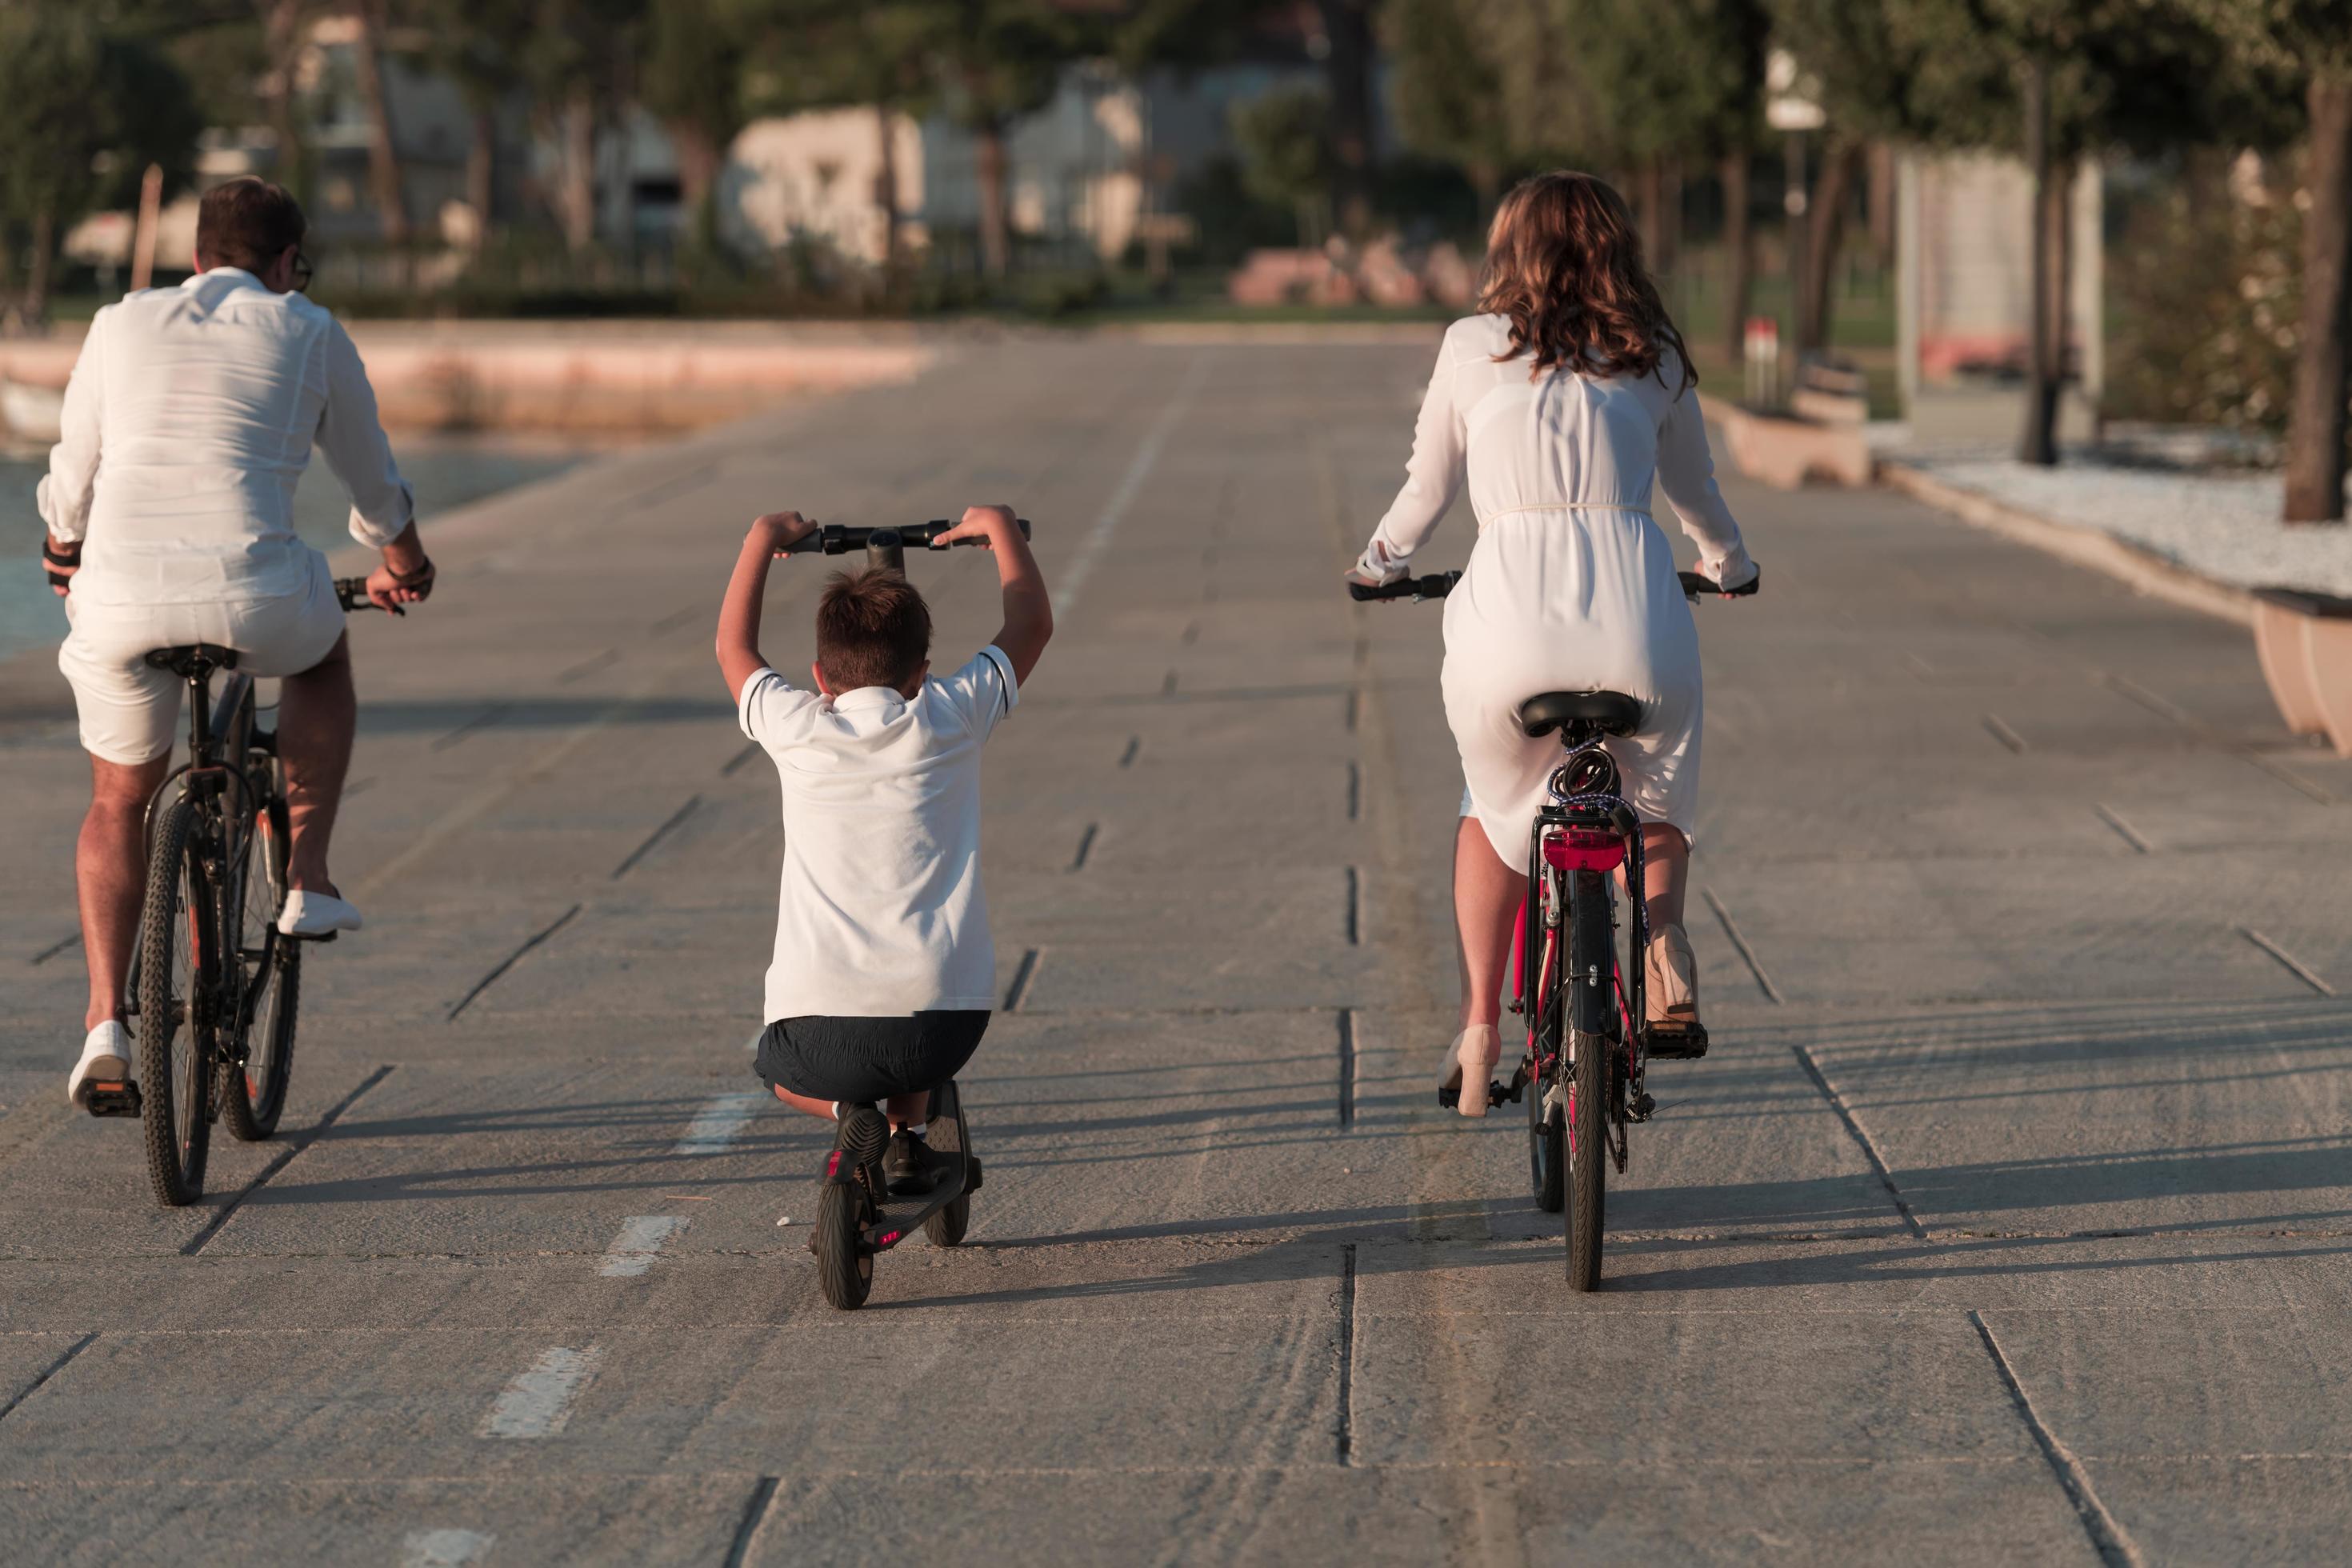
{"x":1287,"y":157}
{"x":577,"y":65}
{"x":691,"y":79}
{"x":84,"y":109}
{"x":995,"y":62}
{"x":386,"y":187}
{"x":2309,"y":42}
{"x":481,"y":47}
{"x":1448,"y":95}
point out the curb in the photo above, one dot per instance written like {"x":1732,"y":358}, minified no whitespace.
{"x":2141,"y":570}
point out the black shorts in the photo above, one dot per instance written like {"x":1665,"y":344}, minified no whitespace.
{"x":857,"y":1060}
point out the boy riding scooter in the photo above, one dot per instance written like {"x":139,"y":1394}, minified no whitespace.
{"x":883,"y":973}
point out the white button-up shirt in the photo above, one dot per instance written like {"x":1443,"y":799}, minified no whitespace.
{"x":189,"y":416}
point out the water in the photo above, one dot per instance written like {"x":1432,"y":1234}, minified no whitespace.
{"x":446,"y":471}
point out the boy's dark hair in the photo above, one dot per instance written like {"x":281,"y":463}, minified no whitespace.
{"x":247,"y":223}
{"x":872,"y":629}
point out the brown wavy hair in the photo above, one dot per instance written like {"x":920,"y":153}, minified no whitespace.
{"x":1564,"y":263}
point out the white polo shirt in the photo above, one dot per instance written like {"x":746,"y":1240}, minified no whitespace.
{"x":881,"y":913}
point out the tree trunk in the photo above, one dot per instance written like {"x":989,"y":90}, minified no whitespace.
{"x":281,"y":44}
{"x":385,"y":187}
{"x":1649,"y":207}
{"x":2315,"y":431}
{"x":1670,"y":219}
{"x":36,"y":310}
{"x":1347,"y":69}
{"x":1881,"y":201}
{"x":1841,"y":167}
{"x":885,"y":186}
{"x":698,"y":180}
{"x":482,"y":171}
{"x":1739,"y":254}
{"x":989,"y":173}
{"x":2038,"y":443}
{"x":578,"y":193}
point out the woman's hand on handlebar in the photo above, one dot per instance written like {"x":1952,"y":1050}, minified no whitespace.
{"x":782,"y":530}
{"x":1375,"y":569}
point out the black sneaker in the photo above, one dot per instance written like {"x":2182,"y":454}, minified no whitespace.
{"x":911,"y":1167}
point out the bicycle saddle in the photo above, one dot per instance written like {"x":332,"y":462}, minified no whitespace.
{"x":1614,"y":712}
{"x":187,"y":659}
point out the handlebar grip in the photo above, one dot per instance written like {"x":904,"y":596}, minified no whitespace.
{"x":1695,"y":583}
{"x":352,"y":593}
{"x":939,"y":525}
{"x":1363,"y":592}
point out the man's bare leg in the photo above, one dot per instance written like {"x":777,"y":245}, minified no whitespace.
{"x":111,"y":875}
{"x":318,"y":713}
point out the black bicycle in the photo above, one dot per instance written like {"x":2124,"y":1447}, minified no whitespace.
{"x":213,"y":985}
{"x":1587,"y":1044}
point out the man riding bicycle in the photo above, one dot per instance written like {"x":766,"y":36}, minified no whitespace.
{"x":189,"y":416}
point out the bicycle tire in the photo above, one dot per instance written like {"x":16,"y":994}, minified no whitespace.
{"x":949,"y":1136}
{"x":255,"y":1095}
{"x":173,"y":1112}
{"x":845,"y":1270}
{"x":1547,"y":1128}
{"x":1591,"y":952}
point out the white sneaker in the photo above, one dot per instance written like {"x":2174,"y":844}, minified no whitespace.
{"x":316,"y":914}
{"x":105,"y":1058}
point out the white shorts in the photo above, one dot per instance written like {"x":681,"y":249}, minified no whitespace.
{"x":130,"y":709}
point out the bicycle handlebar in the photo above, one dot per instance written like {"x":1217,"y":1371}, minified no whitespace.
{"x":1437,"y":584}
{"x":833,"y":539}
{"x":352,"y":594}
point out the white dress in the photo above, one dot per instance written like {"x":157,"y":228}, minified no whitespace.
{"x":1571,"y":585}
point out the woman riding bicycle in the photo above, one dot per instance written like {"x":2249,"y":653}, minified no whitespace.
{"x":1559,"y":405}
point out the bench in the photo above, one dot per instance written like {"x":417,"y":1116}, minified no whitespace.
{"x":2304,"y":642}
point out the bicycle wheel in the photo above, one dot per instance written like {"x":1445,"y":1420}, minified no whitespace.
{"x":845,"y":1270}
{"x":1547,"y":1121}
{"x":270,"y":970}
{"x":947,"y":1136}
{"x":1590,"y":964}
{"x":174,"y":1028}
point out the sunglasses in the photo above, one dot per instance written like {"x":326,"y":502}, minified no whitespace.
{"x":303,"y":273}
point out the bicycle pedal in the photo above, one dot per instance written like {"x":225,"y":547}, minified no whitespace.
{"x":111,"y":1099}
{"x":1450,"y":1097}
{"x":322,"y":936}
{"x":1674,"y":1044}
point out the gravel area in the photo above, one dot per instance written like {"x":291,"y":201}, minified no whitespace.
{"x":2222,"y":524}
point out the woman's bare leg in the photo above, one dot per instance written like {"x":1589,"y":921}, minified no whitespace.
{"x":1665,"y":872}
{"x":1487,"y":899}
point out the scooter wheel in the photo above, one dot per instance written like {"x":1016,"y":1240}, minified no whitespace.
{"x":845,"y":1270}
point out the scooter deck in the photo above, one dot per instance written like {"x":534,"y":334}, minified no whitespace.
{"x":897,"y":1216}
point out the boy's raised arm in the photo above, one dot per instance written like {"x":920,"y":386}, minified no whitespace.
{"x":1028,"y":608}
{"x":739,"y":612}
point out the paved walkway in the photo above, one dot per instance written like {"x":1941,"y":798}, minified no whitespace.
{"x":2007,"y":1221}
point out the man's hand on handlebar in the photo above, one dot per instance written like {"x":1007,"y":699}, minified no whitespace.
{"x":782,"y":530}
{"x":61,"y":560}
{"x":406,"y":576}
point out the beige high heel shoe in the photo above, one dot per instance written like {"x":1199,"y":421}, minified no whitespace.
{"x":1670,"y":996}
{"x":1470,"y":1061}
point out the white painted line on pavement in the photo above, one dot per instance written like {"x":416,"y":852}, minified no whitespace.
{"x":632,"y":1252}
{"x":1073,"y":576}
{"x":538,"y":1403}
{"x":720,"y":1121}
{"x":443,"y":1547}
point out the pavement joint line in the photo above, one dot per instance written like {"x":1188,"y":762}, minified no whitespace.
{"x":1355,"y":792}
{"x":56,"y":948}
{"x":537,"y":1402}
{"x":1168,"y":684}
{"x":2107,"y":1538}
{"x":444,"y":1548}
{"x":1747,"y":953}
{"x":639,"y":1242}
{"x":1127,"y":757}
{"x":655,"y":836}
{"x":717,"y":1124}
{"x":48,"y":1371}
{"x":754,"y":1522}
{"x":2165,"y":708}
{"x":678,"y":617}
{"x":492,"y":978}
{"x":587,"y":667}
{"x":1862,"y":1139}
{"x":285,"y":1157}
{"x":2125,"y":830}
{"x":2000,"y":731}
{"x":2292,"y":964}
{"x":1355,"y":701}
{"x":1344,"y":1437}
{"x":1354,"y":923}
{"x":739,"y":759}
{"x":2291,"y":779}
{"x":488,"y":715}
{"x":1086,"y":844}
{"x":1081,"y":565}
{"x":2162,"y":707}
{"x":1191,"y":636}
{"x":1018,"y":991}
{"x":1347,"y":1070}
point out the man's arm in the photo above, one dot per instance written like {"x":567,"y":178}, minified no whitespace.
{"x":1028,"y":607}
{"x":383,"y":510}
{"x":739,"y":612}
{"x":64,"y":494}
